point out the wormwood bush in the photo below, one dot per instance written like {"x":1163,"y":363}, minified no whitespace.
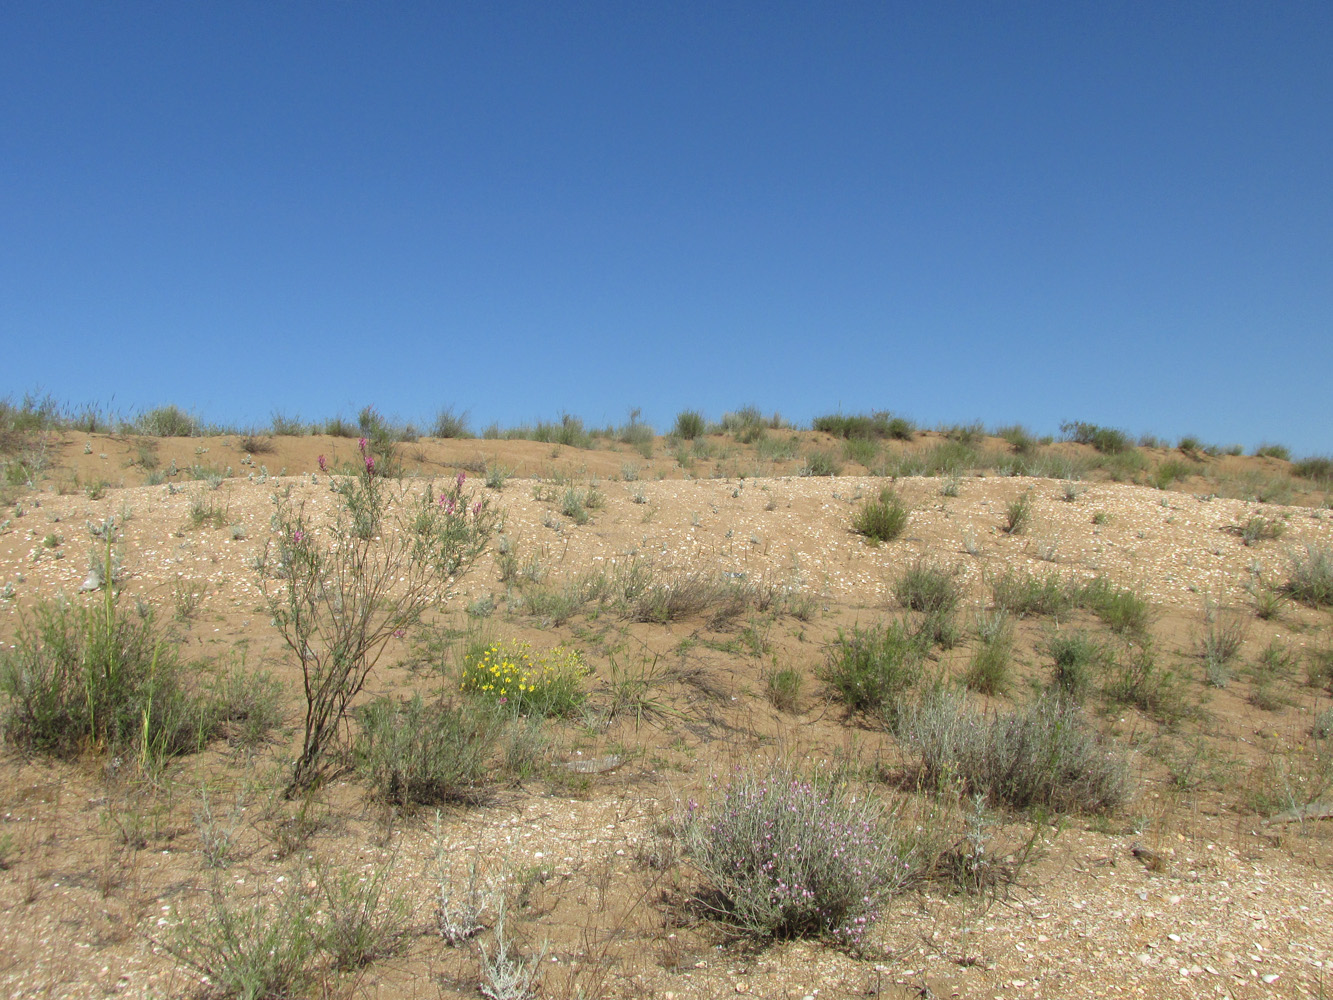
{"x":254,"y":952}
{"x":784,"y":855}
{"x":1045,"y":754}
{"x":344,"y":596}
{"x":509,"y":674}
{"x":882,"y":520}
{"x":413,"y":753}
{"x":1311,"y":578}
{"x":873,"y":669}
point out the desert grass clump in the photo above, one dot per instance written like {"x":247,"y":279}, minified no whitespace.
{"x":1019,"y":438}
{"x":1018,"y":515}
{"x":1137,"y":679}
{"x":1219,"y":644}
{"x":875,"y":670}
{"x":165,"y":421}
{"x":988,"y":671}
{"x":260,"y":951}
{"x":1317,"y":469}
{"x":1107,"y":440}
{"x":1076,"y":661}
{"x":782,"y":854}
{"x":1258,"y":529}
{"x":1045,"y":755}
{"x":930,"y":588}
{"x":1278,"y":451}
{"x":882,"y":520}
{"x":862,"y":451}
{"x":364,"y":919}
{"x":1023,"y":593}
{"x":878,"y":424}
{"x":449,"y":424}
{"x":97,"y":678}
{"x":416,"y":753}
{"x":1121,"y":609}
{"x":783,"y":687}
{"x":509,"y":674}
{"x":690,"y":424}
{"x":1310,"y":579}
{"x":821,"y":463}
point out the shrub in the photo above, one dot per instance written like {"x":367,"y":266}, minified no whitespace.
{"x":879,"y":424}
{"x":413,"y":753}
{"x":1137,"y":680}
{"x":1318,"y":468}
{"x":690,"y":424}
{"x":1170,"y":471}
{"x":874,"y":669}
{"x":862,"y":451}
{"x":882,"y":520}
{"x":257,"y":952}
{"x":929,"y":588}
{"x":282,"y":425}
{"x":821,"y":463}
{"x":1279,"y":451}
{"x":1107,"y":440}
{"x":1044,"y":755}
{"x":784,"y":688}
{"x":1020,"y":592}
{"x":507,"y":673}
{"x":988,"y":670}
{"x":166,"y":421}
{"x":1018,"y":515}
{"x":1311,"y":577}
{"x":785,"y":855}
{"x":1075,"y":656}
{"x":449,"y":424}
{"x":1120,"y":608}
{"x":95,"y":678}
{"x":1019,"y":438}
{"x":1257,"y":529}
{"x":254,"y":444}
{"x":344,"y":599}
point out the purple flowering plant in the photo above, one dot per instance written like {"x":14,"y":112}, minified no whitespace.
{"x":782,"y":854}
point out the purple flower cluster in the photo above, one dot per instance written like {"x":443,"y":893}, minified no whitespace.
{"x":796,"y":857}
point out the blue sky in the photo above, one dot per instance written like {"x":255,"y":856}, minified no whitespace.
{"x":1025,"y":212}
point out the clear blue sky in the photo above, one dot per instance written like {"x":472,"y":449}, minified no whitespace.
{"x":1033,"y":212}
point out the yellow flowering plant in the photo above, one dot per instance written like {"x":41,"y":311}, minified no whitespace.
{"x":511,"y":674}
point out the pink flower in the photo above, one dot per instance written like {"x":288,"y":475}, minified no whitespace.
{"x":476,"y":508}
{"x":461,"y":476}
{"x":298,"y":536}
{"x":323,"y":464}
{"x":449,"y":505}
{"x":361,"y":443}
{"x":370,"y":465}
